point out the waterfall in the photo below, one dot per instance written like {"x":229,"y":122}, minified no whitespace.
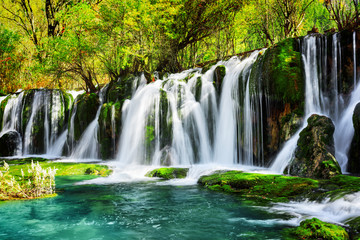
{"x":180,"y":121}
{"x":235,"y":121}
{"x":12,"y":114}
{"x":324,"y":99}
{"x":88,"y":144}
{"x":164,"y":124}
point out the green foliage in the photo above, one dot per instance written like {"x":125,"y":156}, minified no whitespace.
{"x":65,"y":44}
{"x":10,"y":60}
{"x":316,"y":229}
{"x":168,"y":173}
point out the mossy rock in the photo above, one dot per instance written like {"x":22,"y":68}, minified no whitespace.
{"x":282,"y":69}
{"x":354,"y":225}
{"x":166,"y":125}
{"x":86,"y":108}
{"x":315,"y":152}
{"x":316,"y":229}
{"x":219,"y":75}
{"x":274,"y":188}
{"x":110,"y":129}
{"x":121,"y":90}
{"x":168,"y":173}
{"x":354,"y":153}
{"x":198,"y":86}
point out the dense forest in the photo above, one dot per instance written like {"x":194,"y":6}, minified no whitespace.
{"x":84,"y":43}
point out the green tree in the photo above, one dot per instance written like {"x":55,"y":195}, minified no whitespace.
{"x":344,"y":12}
{"x":10,"y":60}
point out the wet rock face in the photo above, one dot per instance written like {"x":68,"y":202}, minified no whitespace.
{"x":10,"y":143}
{"x":219,"y":75}
{"x":354,"y":153}
{"x":315,"y":151}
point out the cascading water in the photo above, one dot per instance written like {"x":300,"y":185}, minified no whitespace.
{"x":236,"y":113}
{"x":178,"y":122}
{"x":324,"y":98}
{"x":155,"y":129}
{"x":88,"y":146}
{"x":12,"y":114}
{"x":45,"y":114}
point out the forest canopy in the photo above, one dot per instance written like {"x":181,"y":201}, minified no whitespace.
{"x":84,"y":43}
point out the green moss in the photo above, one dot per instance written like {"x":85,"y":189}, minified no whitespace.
{"x":354,"y":225}
{"x":338,"y":186}
{"x":168,"y":173}
{"x":316,"y":229}
{"x":282,"y":72}
{"x":275,"y":188}
{"x":121,"y":90}
{"x":149,"y":135}
{"x":109,"y":133}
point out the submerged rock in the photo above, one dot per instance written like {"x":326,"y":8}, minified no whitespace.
{"x":354,"y":153}
{"x":10,"y":143}
{"x":315,"y":151}
{"x":168,"y":173}
{"x":316,"y":229}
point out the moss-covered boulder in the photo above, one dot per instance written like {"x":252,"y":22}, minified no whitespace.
{"x":121,"y":90}
{"x":354,"y":153}
{"x":86,"y":106}
{"x":10,"y":143}
{"x":275,"y":188}
{"x":168,"y":173}
{"x":110,"y":129}
{"x":315,"y":151}
{"x":316,"y":229}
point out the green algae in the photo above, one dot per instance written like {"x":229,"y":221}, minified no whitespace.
{"x":168,"y":173}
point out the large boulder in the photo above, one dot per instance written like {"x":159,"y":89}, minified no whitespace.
{"x":354,"y":153}
{"x":315,"y":151}
{"x":10,"y":143}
